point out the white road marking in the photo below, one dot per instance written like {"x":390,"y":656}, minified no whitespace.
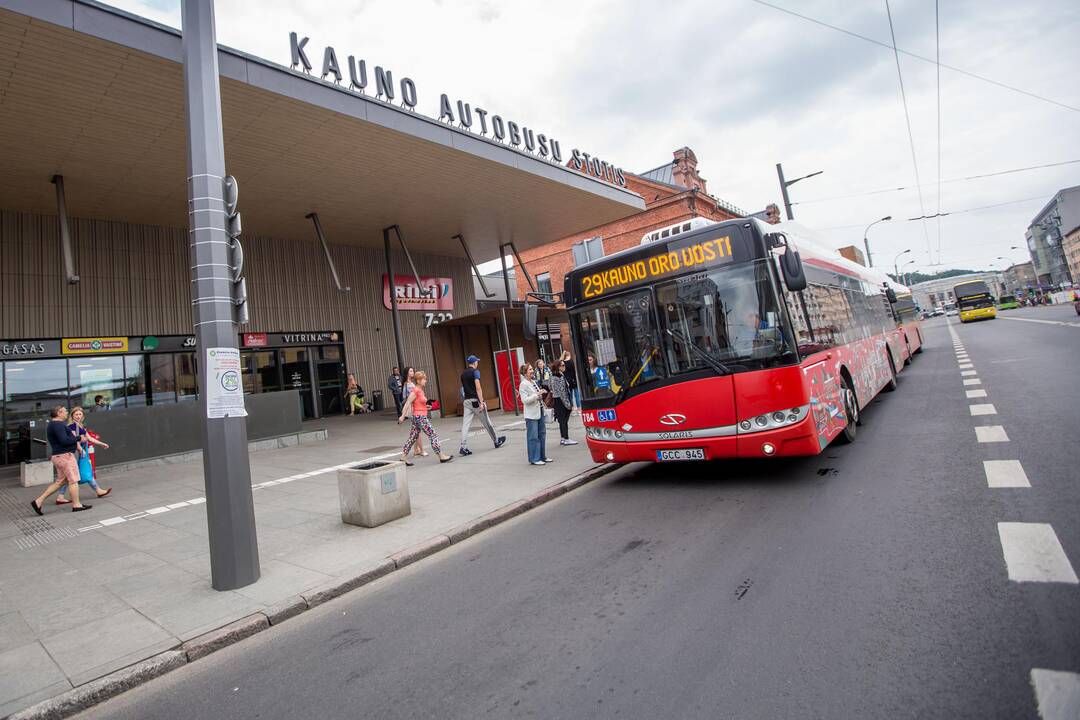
{"x":990,"y":433}
{"x":1034,"y":554}
{"x":983,"y":409}
{"x":966,"y":366}
{"x":113,"y":521}
{"x":972,"y":381}
{"x":1005,"y":474}
{"x":157,"y":510}
{"x":966,"y":373}
{"x":975,"y":393}
{"x":1057,"y":694}
{"x":1044,"y":322}
{"x":177,"y":505}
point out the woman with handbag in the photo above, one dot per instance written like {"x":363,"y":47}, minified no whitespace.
{"x":532,"y":396}
{"x":563,"y":405}
{"x":86,"y":466}
{"x":416,"y":407}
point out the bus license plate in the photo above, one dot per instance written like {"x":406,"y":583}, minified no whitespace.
{"x":682,"y":454}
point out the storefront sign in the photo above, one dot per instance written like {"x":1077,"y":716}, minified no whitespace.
{"x":462,"y":114}
{"x":95,"y":346}
{"x":19,"y":348}
{"x":150,"y":343}
{"x":255,"y":340}
{"x":225,"y":391}
{"x":312,"y":338}
{"x":409,"y":296}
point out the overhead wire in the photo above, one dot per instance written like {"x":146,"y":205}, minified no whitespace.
{"x":951,"y":212}
{"x":953,"y":68}
{"x":907,"y":119}
{"x":944,"y":182}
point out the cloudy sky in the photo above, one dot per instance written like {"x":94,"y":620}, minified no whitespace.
{"x":746,"y":86}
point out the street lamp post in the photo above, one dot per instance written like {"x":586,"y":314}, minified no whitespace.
{"x":896,"y":271}
{"x":785,"y":184}
{"x":907,"y":281}
{"x":866,"y":240}
{"x":234,"y":551}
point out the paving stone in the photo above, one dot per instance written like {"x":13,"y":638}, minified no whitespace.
{"x":84,"y":655}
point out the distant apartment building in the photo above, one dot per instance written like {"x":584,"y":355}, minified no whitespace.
{"x":675,"y":194}
{"x":1046,"y":235}
{"x":1020,"y":277}
{"x":1071,"y":246}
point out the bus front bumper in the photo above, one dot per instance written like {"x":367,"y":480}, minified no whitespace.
{"x":796,"y":440}
{"x":980,"y":314}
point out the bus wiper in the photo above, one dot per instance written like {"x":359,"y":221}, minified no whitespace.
{"x":719,"y":367}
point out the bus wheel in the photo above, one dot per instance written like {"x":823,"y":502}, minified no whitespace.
{"x":891,"y":385}
{"x":851,"y":409}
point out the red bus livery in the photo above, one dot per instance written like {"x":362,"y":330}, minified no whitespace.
{"x":738,"y":339}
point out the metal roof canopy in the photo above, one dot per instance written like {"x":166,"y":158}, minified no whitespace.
{"x":96,"y":95}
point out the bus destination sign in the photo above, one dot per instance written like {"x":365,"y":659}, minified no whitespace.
{"x":705,"y":253}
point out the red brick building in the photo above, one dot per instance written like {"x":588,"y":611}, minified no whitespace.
{"x":673,"y":193}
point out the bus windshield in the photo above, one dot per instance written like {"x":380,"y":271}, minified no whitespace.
{"x":728,"y":319}
{"x":731,"y":314}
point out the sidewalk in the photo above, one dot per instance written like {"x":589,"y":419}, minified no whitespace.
{"x":82,"y":595}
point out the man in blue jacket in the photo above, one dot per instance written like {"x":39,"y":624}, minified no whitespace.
{"x":65,"y":448}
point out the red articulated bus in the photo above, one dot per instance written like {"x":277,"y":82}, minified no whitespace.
{"x":739,"y":339}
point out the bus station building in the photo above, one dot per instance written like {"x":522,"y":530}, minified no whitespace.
{"x":93,"y":136}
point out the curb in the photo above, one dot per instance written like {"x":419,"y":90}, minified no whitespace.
{"x":102,"y":689}
{"x":111,"y":685}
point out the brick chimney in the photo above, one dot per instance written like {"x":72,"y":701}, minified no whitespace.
{"x":684,"y":170}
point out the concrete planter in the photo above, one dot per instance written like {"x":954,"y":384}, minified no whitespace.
{"x":373,"y":494}
{"x":38,"y":472}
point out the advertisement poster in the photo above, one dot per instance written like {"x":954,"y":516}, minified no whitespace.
{"x":506,"y":375}
{"x":409,"y":297}
{"x":225,"y":394}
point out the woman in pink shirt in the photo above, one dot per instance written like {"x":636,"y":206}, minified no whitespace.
{"x":415,"y":406}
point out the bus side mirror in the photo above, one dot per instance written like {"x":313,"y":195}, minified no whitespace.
{"x":529,"y":321}
{"x":890,"y":294}
{"x":792,"y":268}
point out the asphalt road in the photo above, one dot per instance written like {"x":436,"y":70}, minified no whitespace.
{"x":868,"y":582}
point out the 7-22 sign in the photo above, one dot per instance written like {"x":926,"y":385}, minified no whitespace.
{"x":436,"y":318}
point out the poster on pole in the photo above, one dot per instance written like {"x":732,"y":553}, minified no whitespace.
{"x":506,"y":375}
{"x":225,"y":391}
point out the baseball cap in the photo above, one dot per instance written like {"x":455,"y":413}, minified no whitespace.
{"x":471,"y":359}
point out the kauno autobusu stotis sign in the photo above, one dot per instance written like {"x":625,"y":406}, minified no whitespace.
{"x":666,"y":262}
{"x":460,"y":113}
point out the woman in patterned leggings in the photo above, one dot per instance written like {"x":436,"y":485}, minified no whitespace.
{"x":416,"y":406}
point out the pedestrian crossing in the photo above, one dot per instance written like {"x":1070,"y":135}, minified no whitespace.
{"x":1031,"y":551}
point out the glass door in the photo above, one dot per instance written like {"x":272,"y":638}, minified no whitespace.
{"x":331,"y":372}
{"x":296,"y":375}
{"x":31,"y":389}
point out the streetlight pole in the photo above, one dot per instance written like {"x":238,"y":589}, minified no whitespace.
{"x":785,"y":184}
{"x":896,"y":271}
{"x":866,"y":241}
{"x":230,"y":511}
{"x":906,"y":279}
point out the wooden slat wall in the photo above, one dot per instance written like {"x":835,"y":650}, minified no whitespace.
{"x":136,"y":281}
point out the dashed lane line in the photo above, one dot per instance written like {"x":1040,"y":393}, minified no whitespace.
{"x":1005,"y":474}
{"x":982,"y":409}
{"x":966,"y":366}
{"x":1033,"y":553}
{"x":975,"y":393}
{"x":990,"y":434}
{"x":972,"y":381}
{"x":1057,"y":694}
{"x":967,"y":373}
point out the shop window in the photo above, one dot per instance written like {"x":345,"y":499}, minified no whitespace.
{"x":135,"y":380}
{"x":330,"y":352}
{"x":97,"y":376}
{"x":31,"y":389}
{"x":265,"y":372}
{"x":543,"y":283}
{"x":162,"y":380}
{"x":187,"y":377}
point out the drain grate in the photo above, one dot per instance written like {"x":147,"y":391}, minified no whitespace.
{"x":35,"y":530}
